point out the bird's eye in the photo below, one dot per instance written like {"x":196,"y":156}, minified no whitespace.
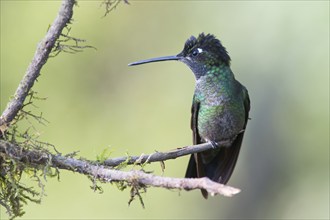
{"x":196,"y":52}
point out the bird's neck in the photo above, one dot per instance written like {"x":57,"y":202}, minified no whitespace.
{"x":215,"y":85}
{"x":218,"y":75}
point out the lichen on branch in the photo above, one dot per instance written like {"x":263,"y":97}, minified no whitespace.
{"x":106,"y":174}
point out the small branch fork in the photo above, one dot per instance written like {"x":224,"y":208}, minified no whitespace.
{"x":68,"y":44}
{"x":104,"y":173}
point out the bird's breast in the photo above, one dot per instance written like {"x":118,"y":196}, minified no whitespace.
{"x":221,"y":113}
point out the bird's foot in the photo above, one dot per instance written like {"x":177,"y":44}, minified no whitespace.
{"x":241,"y":131}
{"x":214,"y":144}
{"x":223,"y":143}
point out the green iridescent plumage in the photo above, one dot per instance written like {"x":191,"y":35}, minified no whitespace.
{"x":220,"y":107}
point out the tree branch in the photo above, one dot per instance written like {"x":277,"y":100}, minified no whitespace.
{"x":133,"y":178}
{"x":162,"y":156}
{"x":40,"y":58}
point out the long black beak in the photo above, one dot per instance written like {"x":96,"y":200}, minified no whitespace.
{"x":158,"y":59}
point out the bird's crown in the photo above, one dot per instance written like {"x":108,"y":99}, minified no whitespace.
{"x":209,"y":44}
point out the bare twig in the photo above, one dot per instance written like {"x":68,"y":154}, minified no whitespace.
{"x":40,"y":58}
{"x":111,"y":5}
{"x":104,"y":173}
{"x":162,"y":156}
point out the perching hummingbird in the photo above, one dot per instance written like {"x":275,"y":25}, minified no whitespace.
{"x":219,"y":110}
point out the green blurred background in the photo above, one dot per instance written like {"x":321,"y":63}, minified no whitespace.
{"x":279,"y":51}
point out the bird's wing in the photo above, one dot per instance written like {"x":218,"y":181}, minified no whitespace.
{"x":194,"y":121}
{"x":246,"y":105}
{"x":195,"y":167}
{"x":192,"y":171}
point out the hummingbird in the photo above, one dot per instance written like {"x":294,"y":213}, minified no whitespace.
{"x":220,"y":108}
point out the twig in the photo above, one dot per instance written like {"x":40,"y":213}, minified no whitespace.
{"x":133,"y":178}
{"x":111,"y":5}
{"x":162,"y":156}
{"x":40,"y":58}
{"x":69,"y":44}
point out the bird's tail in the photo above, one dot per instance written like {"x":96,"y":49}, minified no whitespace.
{"x":221,"y":166}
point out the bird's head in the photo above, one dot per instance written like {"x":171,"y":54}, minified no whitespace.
{"x":199,"y":54}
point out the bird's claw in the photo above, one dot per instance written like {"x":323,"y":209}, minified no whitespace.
{"x":214,"y":144}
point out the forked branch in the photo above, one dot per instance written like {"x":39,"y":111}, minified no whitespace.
{"x":134,"y":178}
